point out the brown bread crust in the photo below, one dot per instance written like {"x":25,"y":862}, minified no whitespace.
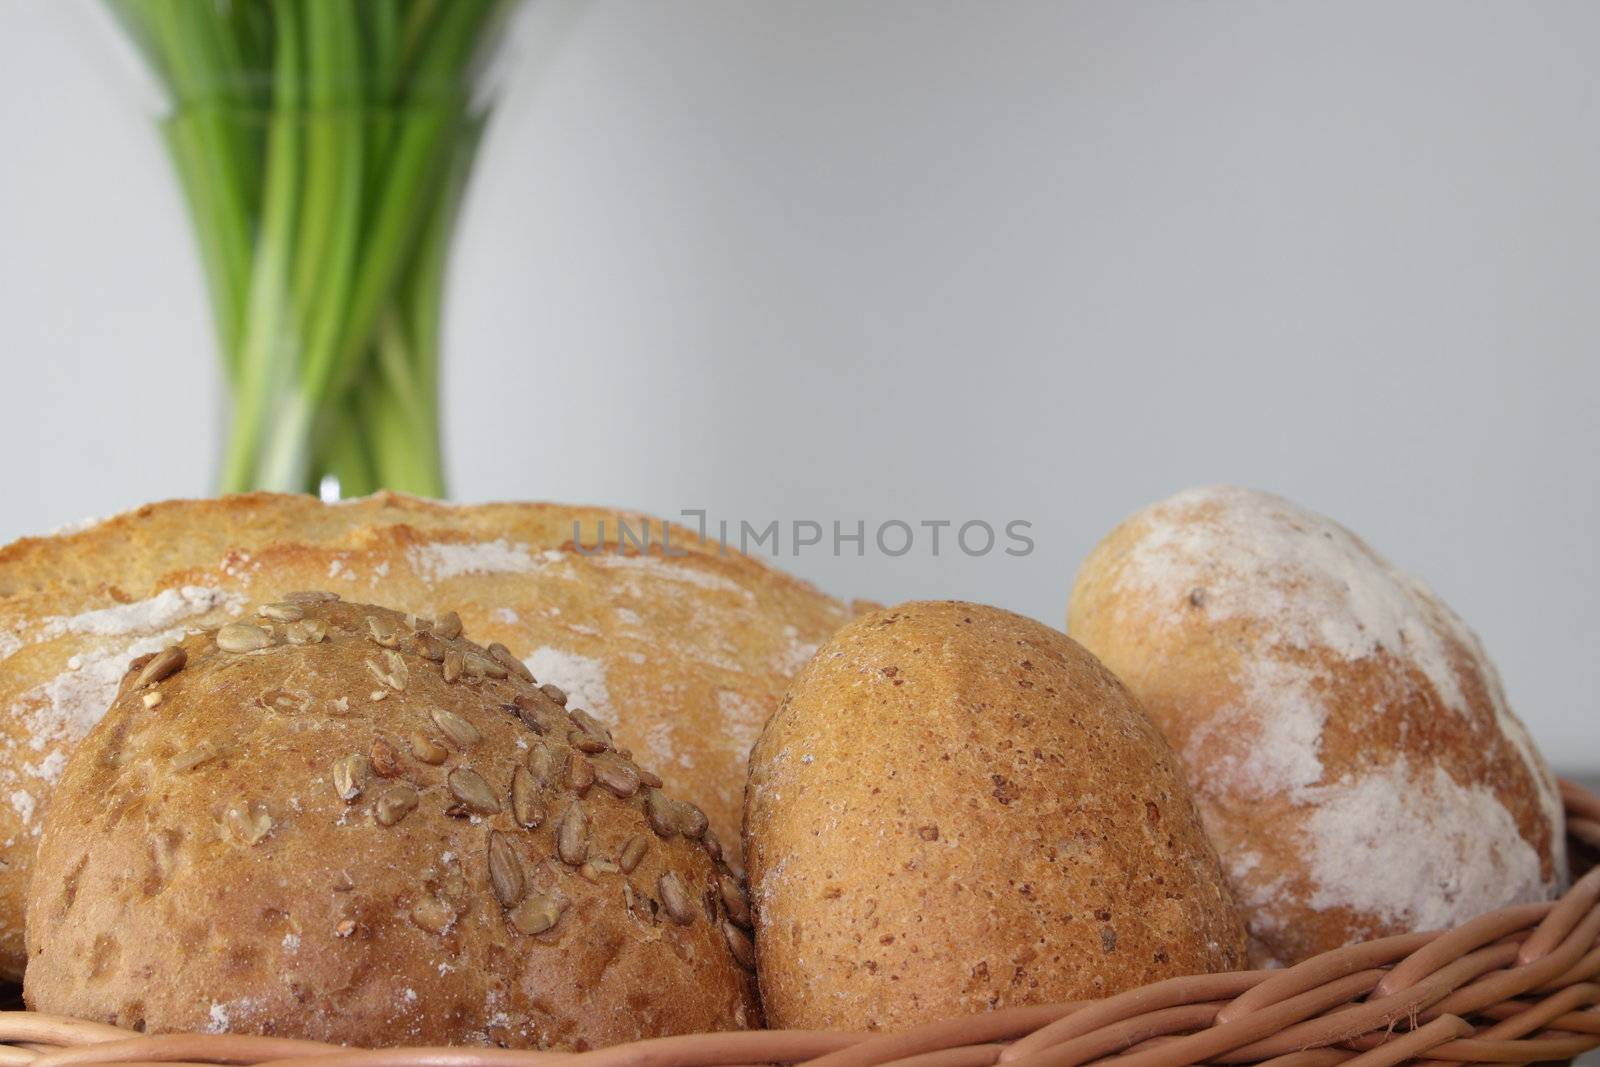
{"x":956,"y":809}
{"x":683,"y":657}
{"x":1347,"y":738}
{"x":334,"y":840}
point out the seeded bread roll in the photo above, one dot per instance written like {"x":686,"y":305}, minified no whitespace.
{"x":1349,"y":742}
{"x":336,"y":822}
{"x":959,"y":809}
{"x":681,"y":649}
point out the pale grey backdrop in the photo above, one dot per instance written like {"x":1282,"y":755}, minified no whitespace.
{"x":919,"y":260}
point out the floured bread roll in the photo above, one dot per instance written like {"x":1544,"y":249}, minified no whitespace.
{"x":682,"y":656}
{"x":1347,"y":739}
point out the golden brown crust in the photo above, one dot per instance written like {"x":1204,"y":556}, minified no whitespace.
{"x":682,"y":656}
{"x":1347,"y":738}
{"x":383,"y":836}
{"x":956,"y":809}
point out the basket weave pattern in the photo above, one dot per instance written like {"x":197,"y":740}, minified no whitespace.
{"x":1518,"y":985}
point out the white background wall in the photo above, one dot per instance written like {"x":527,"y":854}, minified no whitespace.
{"x":920,"y":260}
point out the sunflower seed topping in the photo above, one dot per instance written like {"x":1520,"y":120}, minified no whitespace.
{"x":430,"y":647}
{"x":616,"y":777}
{"x":457,"y":729}
{"x":580,"y":773}
{"x":243,"y":637}
{"x":448,"y":627}
{"x":204,"y":752}
{"x":675,"y":898}
{"x":350,"y":776}
{"x":427,"y":749}
{"x":306,"y":632}
{"x":538,"y":913}
{"x":152,"y":698}
{"x":733,"y":900}
{"x":481,"y":666}
{"x":555,"y":693}
{"x":572,"y":835}
{"x":433,"y":915}
{"x":383,"y":630}
{"x":502,"y":655}
{"x":658,"y":811}
{"x":395,"y":803}
{"x":691,"y":820}
{"x":540,"y":764}
{"x":281,"y":612}
{"x":167,"y":662}
{"x":385,"y":760}
{"x":468,"y":786}
{"x":633,"y":852}
{"x":249,"y":823}
{"x":453,"y":664}
{"x":505,"y":871}
{"x":739,"y":944}
{"x":711,"y":843}
{"x":584,"y":742}
{"x":525,"y":806}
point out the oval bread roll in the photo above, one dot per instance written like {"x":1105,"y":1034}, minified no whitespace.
{"x":332,"y":821}
{"x":1347,"y":738}
{"x":958,"y":809}
{"x":681,"y":649}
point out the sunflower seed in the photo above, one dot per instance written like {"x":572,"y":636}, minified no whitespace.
{"x":430,"y":647}
{"x":433,"y":915}
{"x":595,"y":869}
{"x":306,"y":632}
{"x":281,"y":612}
{"x":310,"y":596}
{"x":396,"y":802}
{"x":505,"y":871}
{"x":658,"y":810}
{"x":201,"y":753}
{"x":350,"y":776}
{"x":468,"y":786}
{"x":711,"y":844}
{"x":248,"y":823}
{"x":633,"y":852}
{"x":590,"y":725}
{"x":572,"y":835}
{"x":733,"y":900}
{"x":649,"y":778}
{"x":385,"y":760}
{"x":540,"y":764}
{"x":580,"y":773}
{"x":165,"y":664}
{"x":453,"y":664}
{"x":675,"y":898}
{"x":525,"y":806}
{"x":383,"y":630}
{"x":377,"y":696}
{"x":691,"y":820}
{"x":457,"y":729}
{"x":392,"y":672}
{"x":584,"y":742}
{"x":417,"y":622}
{"x":616,"y":777}
{"x":538,"y":913}
{"x":481,"y":666}
{"x":555,"y":693}
{"x":502,"y":655}
{"x":427,"y":749}
{"x":448,"y":627}
{"x":242,"y":637}
{"x":152,"y":698}
{"x":739,"y":944}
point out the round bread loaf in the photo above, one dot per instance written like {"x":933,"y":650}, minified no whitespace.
{"x":1347,"y":739}
{"x":337,"y":822}
{"x":681,"y":648}
{"x":957,"y":809}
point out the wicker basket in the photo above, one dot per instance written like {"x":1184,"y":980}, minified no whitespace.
{"x":1518,"y":985}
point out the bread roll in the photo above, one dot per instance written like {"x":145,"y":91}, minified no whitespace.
{"x":958,"y":809}
{"x":338,"y":823}
{"x":682,"y":656}
{"x":1347,"y":738}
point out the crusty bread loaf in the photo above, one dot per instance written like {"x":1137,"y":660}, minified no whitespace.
{"x":683,"y":656}
{"x":340,"y":823}
{"x":1347,"y":738}
{"x":958,"y":809}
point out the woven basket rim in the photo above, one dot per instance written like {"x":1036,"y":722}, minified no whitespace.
{"x":1517,"y":985}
